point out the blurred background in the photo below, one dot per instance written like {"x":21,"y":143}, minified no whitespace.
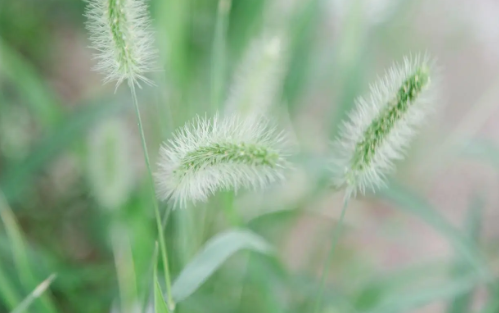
{"x":74,"y":194}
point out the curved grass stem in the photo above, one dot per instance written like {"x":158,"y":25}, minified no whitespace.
{"x":164,"y":255}
{"x":329,"y":259}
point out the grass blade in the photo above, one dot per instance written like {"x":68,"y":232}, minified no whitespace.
{"x":411,"y":203}
{"x":404,"y":301}
{"x":215,"y":252}
{"x":159,"y":302}
{"x":219,"y":53}
{"x":18,"y":175}
{"x":8,"y":293}
{"x":125,"y":268}
{"x":461,"y":304}
{"x":35,"y":294}
{"x":21,"y":259}
{"x":30,"y":85}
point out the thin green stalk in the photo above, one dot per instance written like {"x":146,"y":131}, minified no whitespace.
{"x":164,"y":255}
{"x":327,"y":264}
{"x":218,"y":61}
{"x":230,"y":210}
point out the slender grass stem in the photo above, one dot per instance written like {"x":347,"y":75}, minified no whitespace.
{"x":164,"y":255}
{"x":230,"y":211}
{"x":327,"y":263}
{"x":218,"y":61}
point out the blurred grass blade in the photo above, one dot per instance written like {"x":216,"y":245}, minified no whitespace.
{"x":124,"y":265}
{"x":39,"y":290}
{"x":18,"y":175}
{"x":483,"y":150}
{"x":373,"y":291}
{"x":159,"y":302}
{"x":462,"y":303}
{"x":216,"y":251}
{"x":407,"y":300}
{"x":219,"y":54}
{"x":302,"y":27}
{"x":8,"y":293}
{"x":466,"y":129}
{"x":20,"y":255}
{"x":351,"y":61}
{"x":30,"y":86}
{"x":411,"y":203}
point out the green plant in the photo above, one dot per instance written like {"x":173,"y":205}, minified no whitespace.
{"x":239,"y":101}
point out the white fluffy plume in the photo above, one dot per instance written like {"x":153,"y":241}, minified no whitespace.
{"x":120,"y":32}
{"x":380,"y":127}
{"x":207,"y":155}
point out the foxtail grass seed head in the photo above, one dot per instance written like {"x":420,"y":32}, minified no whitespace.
{"x":259,"y":77}
{"x":110,"y":167}
{"x":380,"y":127}
{"x":207,"y":155}
{"x":120,"y":32}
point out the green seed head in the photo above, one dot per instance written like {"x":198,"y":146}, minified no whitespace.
{"x":120,"y":33}
{"x":380,"y":128}
{"x":223,"y":153}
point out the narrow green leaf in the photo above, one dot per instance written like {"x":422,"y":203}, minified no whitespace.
{"x":21,"y":260}
{"x":159,"y":302}
{"x":35,"y":294}
{"x":18,"y":175}
{"x":302,"y":27}
{"x":8,"y":293}
{"x":30,"y":86}
{"x":219,"y":54}
{"x":483,"y":150}
{"x":406,"y":300}
{"x":215,"y":252}
{"x":373,"y":291}
{"x":409,"y":202}
{"x":461,"y":304}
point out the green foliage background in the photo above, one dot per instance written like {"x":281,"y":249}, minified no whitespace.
{"x":252,"y":252}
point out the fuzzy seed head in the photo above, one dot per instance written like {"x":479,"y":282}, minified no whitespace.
{"x":380,"y":127}
{"x":110,"y":167}
{"x":208,"y":155}
{"x":120,"y":32}
{"x":258,"y":79}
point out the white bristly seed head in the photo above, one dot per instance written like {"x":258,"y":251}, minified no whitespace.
{"x":380,"y":127}
{"x":259,"y":77}
{"x":207,"y":155}
{"x":120,"y":32}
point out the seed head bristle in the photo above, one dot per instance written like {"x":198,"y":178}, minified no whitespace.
{"x":208,"y":155}
{"x":120,"y":32}
{"x":380,"y":128}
